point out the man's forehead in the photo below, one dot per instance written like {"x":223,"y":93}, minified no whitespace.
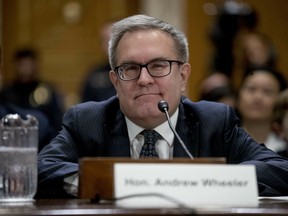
{"x":144,"y":31}
{"x":144,"y":35}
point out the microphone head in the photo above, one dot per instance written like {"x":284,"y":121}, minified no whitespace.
{"x":163,"y":106}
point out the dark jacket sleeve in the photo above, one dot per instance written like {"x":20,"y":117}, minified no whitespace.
{"x":82,"y":135}
{"x":271,"y":169}
{"x":220,"y":135}
{"x":59,"y":158}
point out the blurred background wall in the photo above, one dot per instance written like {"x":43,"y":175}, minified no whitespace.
{"x":66,"y":34}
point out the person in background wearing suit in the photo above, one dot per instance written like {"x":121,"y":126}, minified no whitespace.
{"x":149,"y":61}
{"x":29,"y":92}
{"x":45,"y":132}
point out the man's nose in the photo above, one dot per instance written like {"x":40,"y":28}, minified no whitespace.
{"x":145,"y":77}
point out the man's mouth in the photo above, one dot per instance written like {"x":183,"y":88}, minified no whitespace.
{"x":147,"y":95}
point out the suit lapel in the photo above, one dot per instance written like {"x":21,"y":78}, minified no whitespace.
{"x":118,"y":144}
{"x":187,"y":128}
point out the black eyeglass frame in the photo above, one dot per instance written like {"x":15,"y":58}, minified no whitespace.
{"x":116,"y":69}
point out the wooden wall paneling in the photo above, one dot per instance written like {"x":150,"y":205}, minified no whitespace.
{"x":68,"y":47}
{"x":197,"y":27}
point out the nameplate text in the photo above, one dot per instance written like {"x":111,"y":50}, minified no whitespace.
{"x":191,"y":185}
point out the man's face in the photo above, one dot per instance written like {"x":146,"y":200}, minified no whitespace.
{"x":139,"y":98}
{"x":26,"y":69}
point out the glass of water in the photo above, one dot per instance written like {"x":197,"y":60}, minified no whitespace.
{"x":18,"y":155}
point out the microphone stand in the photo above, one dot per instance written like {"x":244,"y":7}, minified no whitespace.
{"x":163,"y":107}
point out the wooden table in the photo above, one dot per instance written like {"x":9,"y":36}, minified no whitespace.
{"x":85,"y":207}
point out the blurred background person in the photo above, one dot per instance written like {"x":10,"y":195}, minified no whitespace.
{"x":217,"y":87}
{"x":257,"y":51}
{"x":234,"y":16}
{"x":29,"y":92}
{"x":238,"y":43}
{"x":280,"y":120}
{"x":45,"y":131}
{"x":97,"y":85}
{"x":257,"y":96}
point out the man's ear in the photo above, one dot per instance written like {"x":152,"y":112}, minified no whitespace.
{"x":185,"y":73}
{"x":113,"y":78}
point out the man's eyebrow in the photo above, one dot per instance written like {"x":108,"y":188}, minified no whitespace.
{"x":151,"y":60}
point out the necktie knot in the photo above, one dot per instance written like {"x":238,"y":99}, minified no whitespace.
{"x":148,"y":149}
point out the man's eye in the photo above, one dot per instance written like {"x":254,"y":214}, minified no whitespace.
{"x":130,"y":67}
{"x":158,"y":66}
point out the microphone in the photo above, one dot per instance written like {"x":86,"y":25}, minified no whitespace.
{"x":163,"y":107}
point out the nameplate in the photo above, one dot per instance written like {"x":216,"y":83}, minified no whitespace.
{"x":189,"y":185}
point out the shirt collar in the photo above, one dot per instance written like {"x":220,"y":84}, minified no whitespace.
{"x":163,"y":129}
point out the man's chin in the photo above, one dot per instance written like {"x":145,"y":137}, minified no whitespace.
{"x":147,"y":111}
{"x":149,"y":105}
{"x":149,"y":120}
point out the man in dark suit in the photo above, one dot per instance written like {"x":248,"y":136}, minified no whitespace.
{"x":149,"y":61}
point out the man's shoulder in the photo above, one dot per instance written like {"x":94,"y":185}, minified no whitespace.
{"x":97,"y":107}
{"x":204,"y":107}
{"x":210,"y":114}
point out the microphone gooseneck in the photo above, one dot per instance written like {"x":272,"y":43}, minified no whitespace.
{"x":163,"y":107}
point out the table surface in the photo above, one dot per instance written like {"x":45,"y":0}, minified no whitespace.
{"x":267,"y":206}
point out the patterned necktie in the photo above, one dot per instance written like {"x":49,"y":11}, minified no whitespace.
{"x":148,"y":149}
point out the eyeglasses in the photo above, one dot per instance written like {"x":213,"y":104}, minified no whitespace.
{"x":159,"y":68}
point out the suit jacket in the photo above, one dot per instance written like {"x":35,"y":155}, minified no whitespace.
{"x":208,"y":129}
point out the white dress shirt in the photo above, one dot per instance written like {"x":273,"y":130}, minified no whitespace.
{"x":164,"y":146}
{"x":275,"y":143}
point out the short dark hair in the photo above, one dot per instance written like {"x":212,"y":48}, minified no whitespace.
{"x":218,"y":93}
{"x":25,"y":53}
{"x":275,"y":73}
